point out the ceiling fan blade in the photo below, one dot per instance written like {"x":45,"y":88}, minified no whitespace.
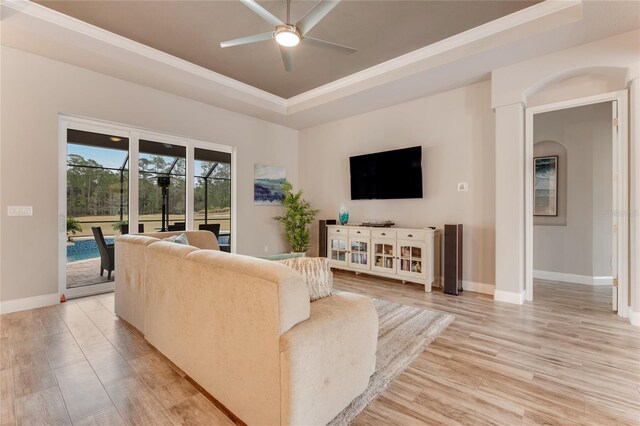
{"x":315,"y":15}
{"x":337,"y":47}
{"x":262,"y":12}
{"x":246,"y":40}
{"x":287,"y":58}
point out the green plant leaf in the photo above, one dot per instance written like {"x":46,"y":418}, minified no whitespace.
{"x":299,"y":214}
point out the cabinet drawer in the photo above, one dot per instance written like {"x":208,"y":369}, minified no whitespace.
{"x":383,"y":233}
{"x":339,"y":230}
{"x":411,"y":235}
{"x":359,"y":232}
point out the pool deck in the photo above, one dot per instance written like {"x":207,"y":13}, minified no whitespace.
{"x":86,"y":272}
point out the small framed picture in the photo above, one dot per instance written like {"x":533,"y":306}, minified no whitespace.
{"x":545,"y":186}
{"x":268,"y":185}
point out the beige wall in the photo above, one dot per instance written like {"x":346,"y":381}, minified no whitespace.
{"x":35,"y":90}
{"x":456,"y":131}
{"x":515,"y":85}
{"x":583,"y":246}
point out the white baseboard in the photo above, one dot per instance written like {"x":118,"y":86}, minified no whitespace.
{"x":603,"y":281}
{"x":516,"y":298}
{"x":478,"y":287}
{"x":634,"y":317}
{"x":15,"y":305}
{"x":571,"y":278}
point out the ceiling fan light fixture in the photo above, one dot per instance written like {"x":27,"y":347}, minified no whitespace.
{"x":287,"y":36}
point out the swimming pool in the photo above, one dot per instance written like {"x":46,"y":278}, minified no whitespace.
{"x":88,"y":249}
{"x":84,"y":249}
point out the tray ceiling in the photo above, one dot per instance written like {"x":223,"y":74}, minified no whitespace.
{"x":193,"y":30}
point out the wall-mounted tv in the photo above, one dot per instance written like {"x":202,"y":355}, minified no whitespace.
{"x":387,"y":175}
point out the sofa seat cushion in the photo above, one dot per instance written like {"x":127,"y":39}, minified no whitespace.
{"x":316,"y":273}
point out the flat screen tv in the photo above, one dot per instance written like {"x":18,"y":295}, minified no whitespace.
{"x":387,"y":175}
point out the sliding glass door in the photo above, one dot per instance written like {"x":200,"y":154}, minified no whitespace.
{"x":212,"y":193}
{"x":97,"y":204}
{"x":119,"y":180}
{"x":158,"y":163}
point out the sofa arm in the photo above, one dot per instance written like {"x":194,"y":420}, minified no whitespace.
{"x":327,"y":360}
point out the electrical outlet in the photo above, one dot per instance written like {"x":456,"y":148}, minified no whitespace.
{"x":20,"y":211}
{"x":266,"y":249}
{"x":463,"y":186}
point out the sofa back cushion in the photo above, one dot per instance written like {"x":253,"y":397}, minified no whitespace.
{"x":130,"y":256}
{"x":205,"y":240}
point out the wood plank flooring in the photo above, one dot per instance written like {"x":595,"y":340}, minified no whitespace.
{"x":563,"y":359}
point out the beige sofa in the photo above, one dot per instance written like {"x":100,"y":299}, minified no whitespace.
{"x":130,"y":258}
{"x":243,"y":328}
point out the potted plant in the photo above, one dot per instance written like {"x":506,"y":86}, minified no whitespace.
{"x":73,"y":227}
{"x":119,"y":224}
{"x":296,"y":220}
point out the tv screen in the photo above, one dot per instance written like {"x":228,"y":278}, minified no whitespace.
{"x":387,"y":175}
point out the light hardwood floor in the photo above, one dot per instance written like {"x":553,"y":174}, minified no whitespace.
{"x":563,"y":359}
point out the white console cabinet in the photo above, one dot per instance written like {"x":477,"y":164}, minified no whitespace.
{"x":405,"y":254}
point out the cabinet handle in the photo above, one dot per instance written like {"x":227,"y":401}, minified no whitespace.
{"x":358,"y":232}
{"x":337,"y":230}
{"x":410,"y":235}
{"x":383,"y":234}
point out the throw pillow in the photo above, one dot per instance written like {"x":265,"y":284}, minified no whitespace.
{"x":316,"y":273}
{"x":178,"y":239}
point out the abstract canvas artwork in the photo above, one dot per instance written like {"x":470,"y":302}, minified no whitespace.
{"x":545,"y":189}
{"x":268,"y":185}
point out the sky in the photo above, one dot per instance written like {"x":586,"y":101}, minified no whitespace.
{"x":112,"y":158}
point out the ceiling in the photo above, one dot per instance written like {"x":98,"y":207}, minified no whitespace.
{"x":465,"y":58}
{"x":193,"y":30}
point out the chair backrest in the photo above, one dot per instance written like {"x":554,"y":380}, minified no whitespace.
{"x":100,"y":242}
{"x":177,"y":227}
{"x":213,"y":227}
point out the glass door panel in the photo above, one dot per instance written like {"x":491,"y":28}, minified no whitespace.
{"x":359,"y":253}
{"x":411,"y":258}
{"x":212,"y":194}
{"x":384,"y":256}
{"x":161,"y":182}
{"x":338,"y":250}
{"x":97,"y":197}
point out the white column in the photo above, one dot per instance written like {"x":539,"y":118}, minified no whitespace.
{"x":134,"y":149}
{"x":634,"y":201}
{"x":189,"y":198}
{"x":510,"y":204}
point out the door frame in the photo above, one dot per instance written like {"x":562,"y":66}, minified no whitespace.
{"x":621,"y":144}
{"x":134,"y":134}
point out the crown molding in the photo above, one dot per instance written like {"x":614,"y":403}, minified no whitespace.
{"x":569,"y":9}
{"x":537,"y":18}
{"x":64,"y":21}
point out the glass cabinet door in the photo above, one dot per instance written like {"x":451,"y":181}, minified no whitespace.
{"x":411,"y":258}
{"x":359,"y":253}
{"x":384,"y":253}
{"x":338,"y":250}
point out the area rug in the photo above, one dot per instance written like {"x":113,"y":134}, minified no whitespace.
{"x":404,"y":332}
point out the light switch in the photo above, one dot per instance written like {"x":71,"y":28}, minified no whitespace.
{"x":20,"y":211}
{"x":463,"y":186}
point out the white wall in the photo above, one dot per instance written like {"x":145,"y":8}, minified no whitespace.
{"x":456,"y":132}
{"x":35,"y":90}
{"x":583,"y":246}
{"x":515,"y":85}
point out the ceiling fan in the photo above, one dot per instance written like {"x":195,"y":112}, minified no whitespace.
{"x":288,"y":35}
